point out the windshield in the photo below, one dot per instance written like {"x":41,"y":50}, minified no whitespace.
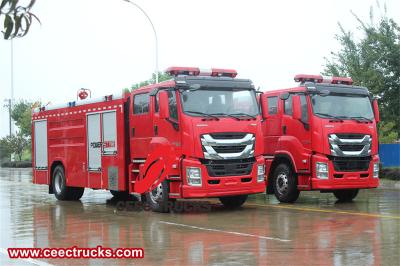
{"x":219,"y":102}
{"x":342,"y":106}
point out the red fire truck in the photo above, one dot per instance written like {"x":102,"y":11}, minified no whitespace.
{"x":321,"y":135}
{"x":197,"y":135}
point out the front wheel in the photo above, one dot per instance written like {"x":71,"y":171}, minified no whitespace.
{"x":345,"y":195}
{"x":158,"y":198}
{"x":233,"y":202}
{"x":285,"y":184}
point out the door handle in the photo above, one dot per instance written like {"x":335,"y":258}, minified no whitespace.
{"x":133,"y":131}
{"x":284,"y":130}
{"x":155,"y":131}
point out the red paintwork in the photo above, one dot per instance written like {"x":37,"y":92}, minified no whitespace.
{"x":67,"y":144}
{"x":306,"y":77}
{"x":304,"y":147}
{"x":174,"y":71}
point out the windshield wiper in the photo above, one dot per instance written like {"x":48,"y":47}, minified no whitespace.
{"x":203,"y":114}
{"x":243,"y":114}
{"x":361,"y":118}
{"x":337,"y":118}
{"x":235,"y":117}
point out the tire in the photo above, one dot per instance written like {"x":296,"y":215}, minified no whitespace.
{"x":77,"y":193}
{"x":123,"y":195}
{"x":233,"y":202}
{"x":60,"y":188}
{"x":345,"y":195}
{"x":158,"y":198}
{"x":284,"y":183}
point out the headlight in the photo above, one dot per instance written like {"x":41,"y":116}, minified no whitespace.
{"x":322,"y":170}
{"x":260,"y":172}
{"x":193,"y":175}
{"x":376,"y":170}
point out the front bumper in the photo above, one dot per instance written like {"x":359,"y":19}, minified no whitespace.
{"x":223,"y":185}
{"x":343,"y":180}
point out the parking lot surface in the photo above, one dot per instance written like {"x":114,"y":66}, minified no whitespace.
{"x":316,"y":230}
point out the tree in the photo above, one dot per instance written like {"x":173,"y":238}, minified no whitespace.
{"x":386,"y":132}
{"x":161,"y":77}
{"x":17,"y":18}
{"x":372,"y":61}
{"x":5,"y":151}
{"x":15,"y":143}
{"x":21,"y":114}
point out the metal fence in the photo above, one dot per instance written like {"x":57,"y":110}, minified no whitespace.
{"x":390,"y":154}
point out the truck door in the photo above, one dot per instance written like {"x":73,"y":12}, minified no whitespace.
{"x":94,"y":150}
{"x":141,"y":122}
{"x":164,"y":128}
{"x":272,"y":126}
{"x":298,"y":133}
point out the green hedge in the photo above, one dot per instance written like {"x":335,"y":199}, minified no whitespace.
{"x":22,"y":164}
{"x":390,"y":173}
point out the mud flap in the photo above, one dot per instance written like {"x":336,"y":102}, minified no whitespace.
{"x":155,"y":169}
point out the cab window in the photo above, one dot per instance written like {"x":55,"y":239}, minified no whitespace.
{"x":288,"y":106}
{"x":141,"y":103}
{"x":173,"y":107}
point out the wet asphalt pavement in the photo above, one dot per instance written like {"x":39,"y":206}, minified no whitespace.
{"x":316,"y":230}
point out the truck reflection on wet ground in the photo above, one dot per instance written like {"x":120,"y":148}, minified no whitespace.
{"x":315,"y":230}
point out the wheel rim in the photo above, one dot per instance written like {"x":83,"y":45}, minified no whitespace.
{"x":58,"y":182}
{"x":157,"y":193}
{"x":282,"y":183}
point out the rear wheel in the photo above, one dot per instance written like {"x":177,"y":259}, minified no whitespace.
{"x":60,"y":188}
{"x":345,"y":195}
{"x":158,"y":198}
{"x":285,"y":184}
{"x":233,"y":202}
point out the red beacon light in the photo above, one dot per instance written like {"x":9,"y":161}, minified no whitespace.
{"x":342,"y":80}
{"x":82,"y":94}
{"x":218,"y":72}
{"x":308,"y":78}
{"x":188,"y":71}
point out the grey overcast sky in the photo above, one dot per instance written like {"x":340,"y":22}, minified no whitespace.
{"x":107,"y":45}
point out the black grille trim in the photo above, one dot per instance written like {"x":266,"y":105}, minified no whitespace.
{"x":229,"y":149}
{"x":349,"y":135}
{"x":237,"y":167}
{"x":351,"y":147}
{"x":228,"y":135}
{"x":350,"y":164}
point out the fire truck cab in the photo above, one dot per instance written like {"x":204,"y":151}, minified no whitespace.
{"x":320,"y":135}
{"x":197,"y":135}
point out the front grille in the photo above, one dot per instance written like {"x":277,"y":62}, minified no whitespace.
{"x":351,"y":147}
{"x":228,"y":135}
{"x":350,"y":164}
{"x":218,"y":146}
{"x":229,"y":149}
{"x":239,"y":167}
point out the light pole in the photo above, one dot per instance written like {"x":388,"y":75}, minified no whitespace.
{"x":154,"y":30}
{"x":8,"y":105}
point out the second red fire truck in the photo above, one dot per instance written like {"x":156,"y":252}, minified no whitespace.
{"x":195,"y":136}
{"x":320,"y":135}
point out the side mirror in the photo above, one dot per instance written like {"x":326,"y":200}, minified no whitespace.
{"x":376,"y":111}
{"x":264,"y":106}
{"x":296,"y":107}
{"x":284,"y":96}
{"x":164,"y":105}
